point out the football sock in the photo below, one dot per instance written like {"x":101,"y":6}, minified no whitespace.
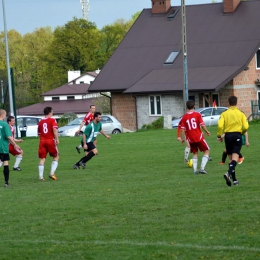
{"x":231,"y":169}
{"x":195,"y":164}
{"x":1,"y":163}
{"x":204,"y":161}
{"x":186,"y":153}
{"x":79,"y":146}
{"x":240,"y":156}
{"x":54,"y":166}
{"x":224,"y":156}
{"x":18,"y":161}
{"x":6,"y":173}
{"x":41,"y":169}
{"x":88,"y":157}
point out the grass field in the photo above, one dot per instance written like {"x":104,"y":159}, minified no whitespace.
{"x":136,"y":200}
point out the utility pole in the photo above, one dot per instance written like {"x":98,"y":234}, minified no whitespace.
{"x":85,"y":8}
{"x":184,"y":53}
{"x":8,"y":64}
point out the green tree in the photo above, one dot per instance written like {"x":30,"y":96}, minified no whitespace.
{"x":75,"y":47}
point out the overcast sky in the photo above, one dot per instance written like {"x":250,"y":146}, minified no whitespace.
{"x":26,"y":15}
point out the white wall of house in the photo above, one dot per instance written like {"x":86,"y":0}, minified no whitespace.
{"x":171,"y":106}
{"x":73,"y":75}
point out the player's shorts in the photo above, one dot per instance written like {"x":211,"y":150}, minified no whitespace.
{"x":90,"y":145}
{"x":4,"y":157}
{"x":202,"y":146}
{"x":47,"y":146}
{"x":14,"y":151}
{"x":233,"y":142}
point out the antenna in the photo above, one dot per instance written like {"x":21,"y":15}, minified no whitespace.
{"x":85,"y":8}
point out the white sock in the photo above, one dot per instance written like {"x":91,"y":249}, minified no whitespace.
{"x":195,"y":164}
{"x":186,"y":153}
{"x":18,"y":161}
{"x":80,"y":146}
{"x":1,"y":163}
{"x":54,"y":166}
{"x":41,"y":169}
{"x":204,"y":161}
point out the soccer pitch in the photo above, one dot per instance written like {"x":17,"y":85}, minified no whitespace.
{"x":136,"y":200}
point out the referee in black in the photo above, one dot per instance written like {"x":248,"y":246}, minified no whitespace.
{"x":233,"y":124}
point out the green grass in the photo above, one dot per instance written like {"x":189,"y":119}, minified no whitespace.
{"x":136,"y":200}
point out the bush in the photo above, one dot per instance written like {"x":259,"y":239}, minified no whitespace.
{"x":66,"y":118}
{"x":157,"y":124}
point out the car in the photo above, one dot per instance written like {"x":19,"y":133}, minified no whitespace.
{"x":210,"y":115}
{"x":28,"y":124}
{"x":110,"y":125}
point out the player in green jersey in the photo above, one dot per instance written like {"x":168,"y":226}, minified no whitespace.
{"x":90,"y":133}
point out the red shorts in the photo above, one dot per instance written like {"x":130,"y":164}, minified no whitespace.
{"x":14,"y":151}
{"x":47,"y":146}
{"x":202,"y":146}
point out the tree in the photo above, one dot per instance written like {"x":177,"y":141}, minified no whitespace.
{"x":75,"y":47}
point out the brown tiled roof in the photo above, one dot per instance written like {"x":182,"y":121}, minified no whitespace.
{"x":59,"y":107}
{"x":68,"y":89}
{"x":219,"y":47}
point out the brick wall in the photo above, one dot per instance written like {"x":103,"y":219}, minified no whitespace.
{"x":160,"y":6}
{"x":124,"y":109}
{"x":243,"y":86}
{"x":229,"y":6}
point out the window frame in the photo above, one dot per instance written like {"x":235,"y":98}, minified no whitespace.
{"x":257,"y":59}
{"x":155,"y":107}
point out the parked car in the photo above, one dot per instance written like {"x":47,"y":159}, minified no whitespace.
{"x":109,"y":124}
{"x":210,"y":115}
{"x":28,"y":124}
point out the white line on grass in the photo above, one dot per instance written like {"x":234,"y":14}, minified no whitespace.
{"x":134,"y":243}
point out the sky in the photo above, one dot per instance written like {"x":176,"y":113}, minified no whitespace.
{"x":27,"y":15}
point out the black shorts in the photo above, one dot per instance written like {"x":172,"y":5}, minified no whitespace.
{"x":90,"y":145}
{"x":4,"y":157}
{"x":233,"y":142}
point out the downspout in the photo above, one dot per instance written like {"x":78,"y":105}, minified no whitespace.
{"x":136,"y":121}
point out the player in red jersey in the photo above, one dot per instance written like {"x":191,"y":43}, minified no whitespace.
{"x":48,"y":133}
{"x":191,"y":124}
{"x":15,"y":150}
{"x":89,"y":117}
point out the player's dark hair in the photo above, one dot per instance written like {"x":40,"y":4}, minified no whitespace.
{"x":190,"y":104}
{"x":92,"y":106}
{"x":232,"y":100}
{"x":9,"y":118}
{"x":96,"y":114}
{"x":47,"y":110}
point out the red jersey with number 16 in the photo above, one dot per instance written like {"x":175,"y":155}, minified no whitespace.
{"x":45,"y":128}
{"x":191,"y":123}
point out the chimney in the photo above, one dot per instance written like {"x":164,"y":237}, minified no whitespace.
{"x":229,"y":6}
{"x":160,"y":6}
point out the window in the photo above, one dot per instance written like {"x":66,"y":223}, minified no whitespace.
{"x":214,"y":97}
{"x":70,"y":97}
{"x":155,"y":105}
{"x":258,"y":59}
{"x":31,"y":121}
{"x":55,"y":98}
{"x":172,"y":15}
{"x":171,"y":58}
{"x":218,"y":111}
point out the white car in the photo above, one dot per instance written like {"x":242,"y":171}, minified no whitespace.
{"x":210,"y":115}
{"x":29,"y":124}
{"x":109,"y":124}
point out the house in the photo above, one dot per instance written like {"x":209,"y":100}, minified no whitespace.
{"x":73,"y":97}
{"x":145,"y":73}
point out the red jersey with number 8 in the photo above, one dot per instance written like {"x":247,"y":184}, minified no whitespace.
{"x":45,"y":128}
{"x":191,"y":123}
